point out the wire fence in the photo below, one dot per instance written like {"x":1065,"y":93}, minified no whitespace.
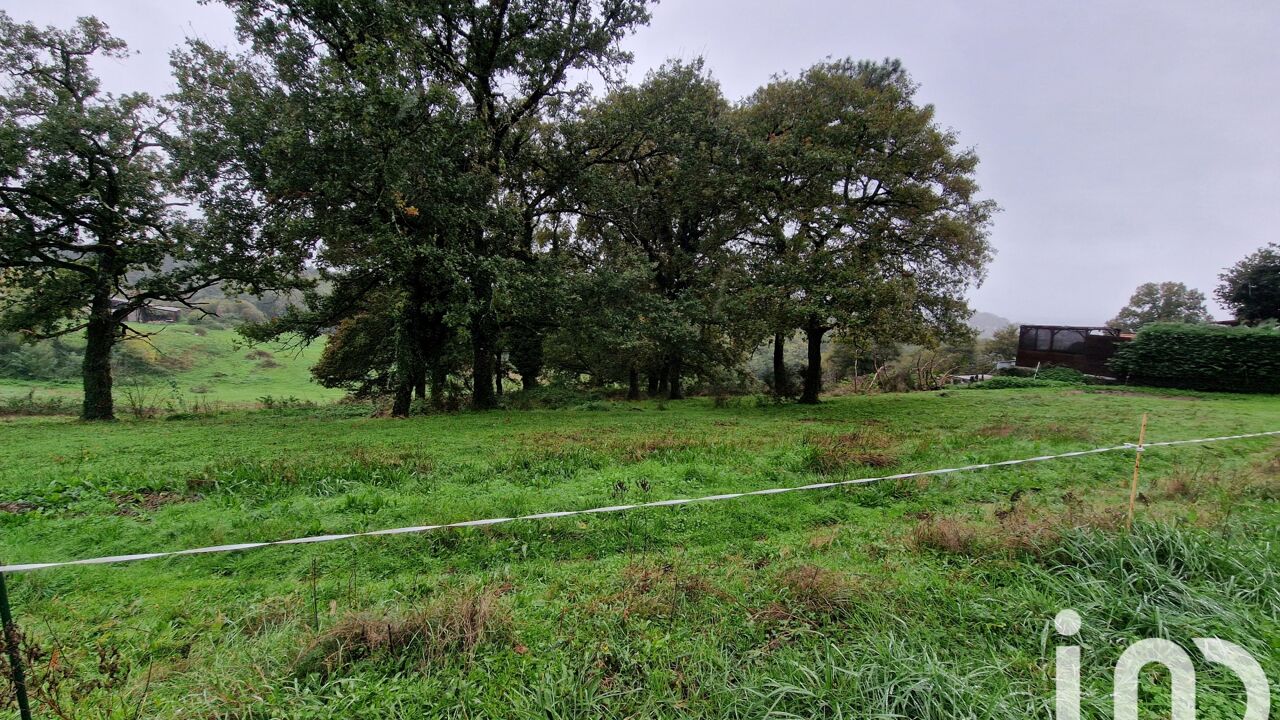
{"x":237,"y":547}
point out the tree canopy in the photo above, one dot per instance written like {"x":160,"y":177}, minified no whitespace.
{"x":1251,"y":287}
{"x":92,"y":225}
{"x":459,"y":204}
{"x":1161,"y":302}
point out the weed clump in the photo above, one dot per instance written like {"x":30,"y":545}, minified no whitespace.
{"x":946,"y":535}
{"x":660,"y":590}
{"x":454,"y":624}
{"x":831,"y":454}
{"x":818,"y":590}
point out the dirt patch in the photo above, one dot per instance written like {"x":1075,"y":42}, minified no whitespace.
{"x":136,"y":503}
{"x":16,"y":507}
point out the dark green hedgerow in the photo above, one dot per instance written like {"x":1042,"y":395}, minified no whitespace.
{"x":1202,"y":357}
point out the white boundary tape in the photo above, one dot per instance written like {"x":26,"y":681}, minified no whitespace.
{"x":8,"y":569}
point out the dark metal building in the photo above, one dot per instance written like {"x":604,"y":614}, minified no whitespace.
{"x":1086,"y":349}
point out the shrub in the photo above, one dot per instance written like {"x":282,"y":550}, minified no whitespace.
{"x":29,"y":404}
{"x":1202,"y":357}
{"x":1062,"y":374}
{"x":551,"y":397}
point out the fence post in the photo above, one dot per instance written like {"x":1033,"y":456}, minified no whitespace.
{"x":1137,"y":463}
{"x":15,"y":654}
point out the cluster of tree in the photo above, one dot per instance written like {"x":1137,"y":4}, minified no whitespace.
{"x":1250,"y":288}
{"x":471,"y":209}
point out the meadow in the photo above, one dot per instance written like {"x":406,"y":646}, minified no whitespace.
{"x":922,"y":598}
{"x":182,"y":365}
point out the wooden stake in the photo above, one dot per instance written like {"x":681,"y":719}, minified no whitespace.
{"x":1137,"y":463}
{"x":315,"y":599}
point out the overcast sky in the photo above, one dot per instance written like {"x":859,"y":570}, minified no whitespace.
{"x":1125,"y":141}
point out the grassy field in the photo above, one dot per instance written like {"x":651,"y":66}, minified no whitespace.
{"x":192,"y":364}
{"x":925,"y":598}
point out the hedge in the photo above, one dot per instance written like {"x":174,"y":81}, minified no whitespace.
{"x":1202,"y":357}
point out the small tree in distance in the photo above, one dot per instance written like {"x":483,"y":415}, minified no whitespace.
{"x":1251,"y":287}
{"x":1161,"y":302}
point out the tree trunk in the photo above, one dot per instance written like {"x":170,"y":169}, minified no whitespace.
{"x":677,"y":387}
{"x":781,"y":383}
{"x":526,"y":354}
{"x":403,"y":400}
{"x":652,"y":380}
{"x":482,"y":397}
{"x":438,"y":377}
{"x":420,"y":385}
{"x":497,"y":373}
{"x":100,"y":338}
{"x":633,"y":383}
{"x":664,"y":374}
{"x":813,"y":373}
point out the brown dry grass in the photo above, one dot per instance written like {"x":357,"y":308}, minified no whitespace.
{"x":868,"y":447}
{"x":823,"y":538}
{"x":135,"y":503}
{"x":1019,"y":529}
{"x":626,"y":449}
{"x":455,"y":623}
{"x":658,"y":591}
{"x":818,"y":590}
{"x":948,"y":535}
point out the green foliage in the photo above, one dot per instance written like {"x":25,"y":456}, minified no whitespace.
{"x":54,"y":359}
{"x":1060,"y":373}
{"x":29,"y":404}
{"x":834,"y":151}
{"x":1168,"y":302}
{"x":550,"y":397}
{"x":1002,"y":345}
{"x":1202,"y":357}
{"x":90,"y":225}
{"x":1251,"y":287}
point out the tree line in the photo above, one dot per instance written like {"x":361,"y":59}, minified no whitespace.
{"x":455,"y":202}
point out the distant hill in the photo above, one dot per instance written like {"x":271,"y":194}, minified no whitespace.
{"x":987,"y":323}
{"x":180,"y":360}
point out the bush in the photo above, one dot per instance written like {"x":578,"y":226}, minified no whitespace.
{"x":46,"y":360}
{"x":1003,"y":382}
{"x":1202,"y":357}
{"x":1062,"y":374}
{"x":1016,"y":371}
{"x":29,"y":404}
{"x":550,"y":397}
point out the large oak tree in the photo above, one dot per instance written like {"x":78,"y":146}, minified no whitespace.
{"x":91,"y":228}
{"x":867,"y":218}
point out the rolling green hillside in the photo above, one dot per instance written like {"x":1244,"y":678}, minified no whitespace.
{"x":191,"y":363}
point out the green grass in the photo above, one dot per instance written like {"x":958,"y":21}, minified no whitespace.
{"x":216,"y":368}
{"x":929,"y":599}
